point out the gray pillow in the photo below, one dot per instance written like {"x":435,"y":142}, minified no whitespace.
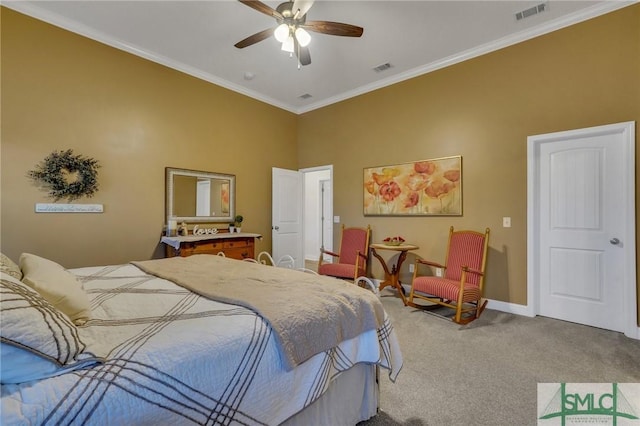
{"x":37,"y":340}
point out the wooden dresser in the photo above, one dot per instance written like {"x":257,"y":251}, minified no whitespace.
{"x":236,"y":245}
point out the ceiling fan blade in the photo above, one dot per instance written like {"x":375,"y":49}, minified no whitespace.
{"x":333,"y":28}
{"x":253,"y":39}
{"x":303,"y":6}
{"x":262,"y":8}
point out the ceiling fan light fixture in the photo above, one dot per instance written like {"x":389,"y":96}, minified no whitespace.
{"x":287,"y":45}
{"x":281,"y":33}
{"x":303,"y":37}
{"x":292,"y":28}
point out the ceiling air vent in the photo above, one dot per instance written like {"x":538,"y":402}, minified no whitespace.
{"x":382,"y":67}
{"x":542,"y":7}
{"x":305,"y":96}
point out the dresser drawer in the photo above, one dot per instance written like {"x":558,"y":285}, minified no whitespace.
{"x":209,"y":247}
{"x":238,"y":242}
{"x":239,"y":252}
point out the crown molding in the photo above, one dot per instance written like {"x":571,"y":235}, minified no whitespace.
{"x":599,"y":9}
{"x":54,"y":19}
{"x":548,"y":27}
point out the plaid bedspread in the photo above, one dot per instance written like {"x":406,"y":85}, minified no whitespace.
{"x":174,"y":357}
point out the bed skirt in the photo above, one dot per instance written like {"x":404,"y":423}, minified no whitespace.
{"x":351,"y":398}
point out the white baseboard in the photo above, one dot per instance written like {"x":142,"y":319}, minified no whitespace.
{"x":512,"y":308}
{"x":523,"y":310}
{"x":634,"y":334}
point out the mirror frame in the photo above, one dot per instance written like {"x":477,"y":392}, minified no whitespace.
{"x":170,"y":172}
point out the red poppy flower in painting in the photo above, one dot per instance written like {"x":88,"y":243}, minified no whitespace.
{"x":452,"y":175}
{"x":390,"y":191}
{"x":426,"y":167}
{"x":412,"y":199}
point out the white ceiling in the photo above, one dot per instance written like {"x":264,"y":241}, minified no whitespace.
{"x":415,"y":37}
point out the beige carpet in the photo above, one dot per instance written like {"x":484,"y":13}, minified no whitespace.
{"x":486,"y":373}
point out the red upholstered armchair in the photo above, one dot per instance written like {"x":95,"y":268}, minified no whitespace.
{"x":354,"y":253}
{"x":461,"y":285}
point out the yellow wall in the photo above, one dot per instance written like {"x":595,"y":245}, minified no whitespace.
{"x":61,"y":91}
{"x":482,"y":109}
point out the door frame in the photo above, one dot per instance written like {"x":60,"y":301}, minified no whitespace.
{"x":304,"y":171}
{"x":627,"y":129}
{"x":328,"y":208}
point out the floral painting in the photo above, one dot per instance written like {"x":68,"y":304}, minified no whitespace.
{"x":224,"y":197}
{"x":421,"y":188}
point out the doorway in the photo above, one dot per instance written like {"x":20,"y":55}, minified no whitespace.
{"x":318,"y":213}
{"x":581,"y":226}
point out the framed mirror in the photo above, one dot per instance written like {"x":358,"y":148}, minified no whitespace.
{"x":195,"y":196}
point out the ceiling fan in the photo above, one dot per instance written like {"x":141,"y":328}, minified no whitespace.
{"x":292,"y":27}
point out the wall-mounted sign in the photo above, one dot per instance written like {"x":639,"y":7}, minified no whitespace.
{"x":68,"y":208}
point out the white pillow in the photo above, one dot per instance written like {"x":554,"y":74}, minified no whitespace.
{"x":9,"y":266}
{"x":36,"y":339}
{"x":59,"y":287}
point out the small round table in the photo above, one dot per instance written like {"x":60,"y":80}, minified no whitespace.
{"x":391,"y":278}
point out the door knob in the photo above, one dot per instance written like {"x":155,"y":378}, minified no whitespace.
{"x":276,"y":228}
{"x":614,"y":241}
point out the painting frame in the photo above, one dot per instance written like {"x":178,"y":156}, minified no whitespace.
{"x":431,"y":187}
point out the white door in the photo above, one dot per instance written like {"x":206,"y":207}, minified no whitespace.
{"x":286,"y":227}
{"x":583,"y":225}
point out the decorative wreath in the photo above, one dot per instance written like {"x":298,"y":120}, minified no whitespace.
{"x":65,"y":175}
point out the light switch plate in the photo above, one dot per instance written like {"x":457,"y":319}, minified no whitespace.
{"x":336,"y":219}
{"x":506,"y":222}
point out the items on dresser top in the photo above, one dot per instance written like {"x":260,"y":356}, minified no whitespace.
{"x":233,"y":245}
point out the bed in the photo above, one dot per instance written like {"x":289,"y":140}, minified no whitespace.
{"x":153,"y":350}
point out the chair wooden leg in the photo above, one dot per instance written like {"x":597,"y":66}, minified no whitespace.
{"x":458,"y":316}
{"x":480,"y":309}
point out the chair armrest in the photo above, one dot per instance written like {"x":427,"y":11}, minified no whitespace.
{"x":323,"y":251}
{"x":363,"y":255}
{"x":429,"y":263}
{"x":472,"y":271}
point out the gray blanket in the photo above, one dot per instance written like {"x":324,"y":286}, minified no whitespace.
{"x":308,"y":313}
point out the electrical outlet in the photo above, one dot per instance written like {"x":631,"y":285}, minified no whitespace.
{"x":336,"y":219}
{"x":438,"y":272}
{"x":506,"y":222}
{"x":412,"y":267}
